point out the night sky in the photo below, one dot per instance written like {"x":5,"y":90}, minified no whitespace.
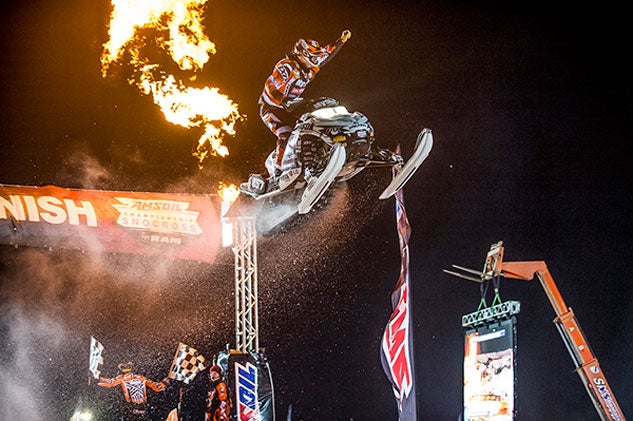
{"x":530,"y":109}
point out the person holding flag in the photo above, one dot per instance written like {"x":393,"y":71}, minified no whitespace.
{"x":218,"y":400}
{"x":187,"y":363}
{"x":134,"y":387}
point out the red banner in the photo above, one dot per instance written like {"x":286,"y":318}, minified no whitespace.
{"x":397,"y":340}
{"x":181,"y":226}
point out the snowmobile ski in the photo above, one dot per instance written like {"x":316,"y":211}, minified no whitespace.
{"x":318,"y":186}
{"x":422,"y":149}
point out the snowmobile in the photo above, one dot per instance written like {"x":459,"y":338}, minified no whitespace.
{"x":331,"y":145}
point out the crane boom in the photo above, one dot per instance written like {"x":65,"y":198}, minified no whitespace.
{"x":587,"y":365}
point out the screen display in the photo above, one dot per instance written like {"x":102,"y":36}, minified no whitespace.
{"x":489,"y":372}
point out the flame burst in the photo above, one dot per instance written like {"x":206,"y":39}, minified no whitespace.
{"x":228,"y":193}
{"x":180,"y":33}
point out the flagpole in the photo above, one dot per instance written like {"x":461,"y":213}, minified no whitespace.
{"x":412,"y":350}
{"x":180,"y":404}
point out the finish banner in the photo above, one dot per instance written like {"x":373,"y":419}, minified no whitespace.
{"x":180,"y":226}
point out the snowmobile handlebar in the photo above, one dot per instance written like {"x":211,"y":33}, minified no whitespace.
{"x":293,"y":105}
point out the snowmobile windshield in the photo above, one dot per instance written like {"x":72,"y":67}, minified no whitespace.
{"x":330,"y":112}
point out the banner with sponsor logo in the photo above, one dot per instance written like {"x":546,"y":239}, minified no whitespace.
{"x":251,"y":385}
{"x":181,"y":226}
{"x":397,"y":341}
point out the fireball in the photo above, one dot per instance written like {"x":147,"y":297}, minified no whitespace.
{"x":180,"y":33}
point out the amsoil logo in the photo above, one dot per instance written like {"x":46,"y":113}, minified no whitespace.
{"x":246,"y":385}
{"x":161,"y":216}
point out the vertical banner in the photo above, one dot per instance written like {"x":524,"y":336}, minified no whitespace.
{"x":397,"y":340}
{"x":251,"y":385}
{"x":489,"y":372}
{"x":174,"y":225}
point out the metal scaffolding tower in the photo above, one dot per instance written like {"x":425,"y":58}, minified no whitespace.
{"x":245,"y":251}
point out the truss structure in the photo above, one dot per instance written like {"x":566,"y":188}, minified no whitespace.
{"x":245,"y":251}
{"x":501,"y":311}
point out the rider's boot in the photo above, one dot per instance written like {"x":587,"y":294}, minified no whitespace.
{"x":257,"y":185}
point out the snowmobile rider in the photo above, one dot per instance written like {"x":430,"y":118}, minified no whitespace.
{"x":134,"y":391}
{"x":218,"y":400}
{"x":282,"y":89}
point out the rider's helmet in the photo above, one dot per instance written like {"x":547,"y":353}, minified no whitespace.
{"x":125,"y":367}
{"x":310,"y":53}
{"x":215,"y":369}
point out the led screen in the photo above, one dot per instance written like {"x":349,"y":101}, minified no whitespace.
{"x":489,"y":372}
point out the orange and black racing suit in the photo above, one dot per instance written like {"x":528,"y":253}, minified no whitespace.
{"x":218,"y":402}
{"x":134,"y":390}
{"x":286,"y":83}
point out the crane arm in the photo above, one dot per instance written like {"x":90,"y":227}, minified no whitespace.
{"x":587,"y":365}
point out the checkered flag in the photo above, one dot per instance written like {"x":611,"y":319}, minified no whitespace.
{"x":95,"y":357}
{"x":187,"y":363}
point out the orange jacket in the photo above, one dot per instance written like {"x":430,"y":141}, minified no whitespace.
{"x":218,"y":402}
{"x":288,"y":79}
{"x":133,"y":385}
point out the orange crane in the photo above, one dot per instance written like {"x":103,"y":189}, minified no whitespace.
{"x":587,"y":365}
